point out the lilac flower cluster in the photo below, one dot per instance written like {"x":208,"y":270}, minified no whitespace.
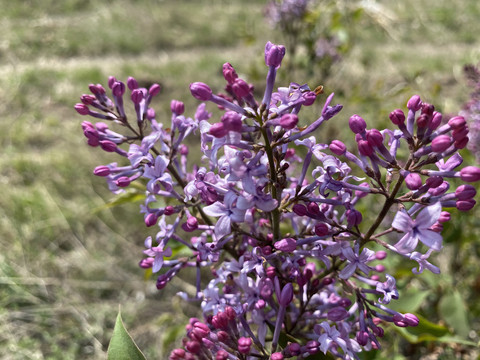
{"x":471,"y":110}
{"x":296,"y":267}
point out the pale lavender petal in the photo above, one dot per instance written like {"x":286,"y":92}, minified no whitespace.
{"x":407,"y":243}
{"x":430,"y":238}
{"x":223,"y":226}
{"x":402,"y":222}
{"x":428,"y":216}
{"x":216,"y":209}
{"x":348,"y":271}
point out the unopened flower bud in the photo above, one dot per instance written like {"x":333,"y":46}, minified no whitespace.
{"x":132,"y":83}
{"x":337,"y":147}
{"x":286,"y":296}
{"x":277,"y":356}
{"x":362,"y":338}
{"x":82,"y":109}
{"x":435,"y":121}
{"x":470,"y":174}
{"x":154,"y":90}
{"x":397,"y":117}
{"x":465,"y":205}
{"x":321,"y":229}
{"x":274,"y":54}
{"x":299,"y":209}
{"x":309,"y":97}
{"x":177,"y":107}
{"x":357,"y":124}
{"x":364,"y":148}
{"x":380,"y":255}
{"x":151,"y":219}
{"x":232,"y":121}
{"x":441,"y":143}
{"x":465,"y":192}
{"x":354,"y":217}
{"x":240,"y":88}
{"x":289,"y":121}
{"x":444,"y":217}
{"x":201,"y":91}
{"x":108,"y":146}
{"x":415,"y":103}
{"x":122,"y":181}
{"x":229,"y":73}
{"x":118,"y":88}
{"x":137,"y":96}
{"x":337,"y":314}
{"x":413,"y":181}
{"x":460,"y":144}
{"x":218,"y":130}
{"x":411,"y":319}
{"x":457,"y":122}
{"x":374,"y":137}
{"x":286,"y":245}
{"x":244,"y":345}
{"x":101,"y":171}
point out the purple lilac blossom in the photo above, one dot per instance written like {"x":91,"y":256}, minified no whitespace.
{"x":281,"y":237}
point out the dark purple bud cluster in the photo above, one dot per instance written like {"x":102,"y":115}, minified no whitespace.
{"x":288,"y":247}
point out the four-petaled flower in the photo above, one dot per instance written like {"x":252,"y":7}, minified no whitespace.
{"x":418,"y":229}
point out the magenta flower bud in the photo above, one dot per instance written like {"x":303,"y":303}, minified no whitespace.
{"x":288,"y":121}
{"x":313,"y":208}
{"x":230,"y":313}
{"x":413,"y":181}
{"x":357,"y":124}
{"x":222,"y":336}
{"x":96,"y":89}
{"x":267,"y":250}
{"x":111,"y":80}
{"x":441,"y":143}
{"x":177,"y":354}
{"x":191,"y":224}
{"x":169,"y":210}
{"x":200,"y":330}
{"x":240,"y":88}
{"x":286,"y":245}
{"x":154,"y":90}
{"x":465,"y":205}
{"x":108,"y":146}
{"x":146,"y":263}
{"x":378,"y":331}
{"x":218,"y":130}
{"x":118,"y":88}
{"x":293,"y":349}
{"x":299,"y":209}
{"x":122,"y":181}
{"x":434,"y":181}
{"x":151,"y":219}
{"x":337,"y":314}
{"x":220,"y":321}
{"x":150,"y":114}
{"x":313,"y":347}
{"x":270,"y":272}
{"x":309,"y":98}
{"x":286,"y":296}
{"x":457,"y":122}
{"x":460,"y":144}
{"x":277,"y":356}
{"x":380,"y":255}
{"x":470,"y":174}
{"x":221,"y":355}
{"x":435,"y":121}
{"x":354,"y":217}
{"x":229,"y":73}
{"x":183,"y":149}
{"x":422,"y":121}
{"x":177,"y":107}
{"x":362,"y":338}
{"x":337,"y":147}
{"x":87,"y":99}
{"x":193,"y":346}
{"x":465,"y":192}
{"x":364,"y":148}
{"x":274,"y":54}
{"x":415,"y":103}
{"x":232,"y":121}
{"x":82,"y":109}
{"x":137,"y":96}
{"x":201,"y":91}
{"x":444,"y":217}
{"x":132,"y":83}
{"x":321,"y":229}
{"x":379,"y":268}
{"x":397,"y":117}
{"x":460,"y":134}
{"x":244,"y":345}
{"x":411,"y":319}
{"x":374,"y":137}
{"x":101,"y":170}
{"x":428,"y":109}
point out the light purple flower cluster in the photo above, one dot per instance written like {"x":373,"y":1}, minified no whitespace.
{"x":276,"y":216}
{"x":471,"y":110}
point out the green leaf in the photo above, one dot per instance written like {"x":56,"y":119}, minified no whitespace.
{"x":410,"y":300}
{"x":122,"y":346}
{"x":453,"y":310}
{"x":129,"y":196}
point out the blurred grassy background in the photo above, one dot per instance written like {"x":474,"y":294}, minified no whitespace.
{"x":67,"y":262}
